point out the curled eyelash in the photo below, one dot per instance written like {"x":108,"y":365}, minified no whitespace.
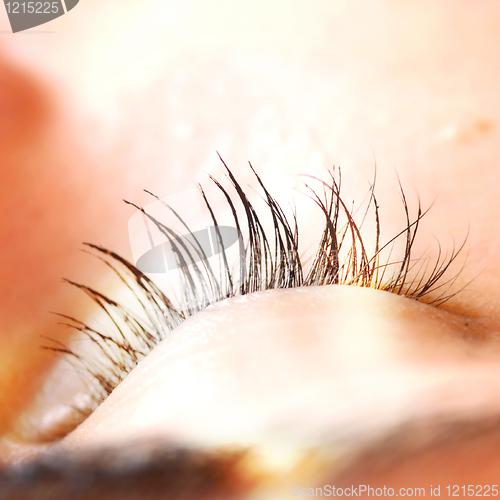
{"x":266,"y":261}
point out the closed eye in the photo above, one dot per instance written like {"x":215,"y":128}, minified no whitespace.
{"x":265,"y":260}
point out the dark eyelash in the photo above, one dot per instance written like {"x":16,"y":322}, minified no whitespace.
{"x":341,"y":258}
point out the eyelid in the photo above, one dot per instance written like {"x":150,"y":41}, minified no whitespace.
{"x":341,"y":258}
{"x":296,"y":366}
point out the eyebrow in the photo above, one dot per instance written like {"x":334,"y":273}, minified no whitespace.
{"x":152,"y":470}
{"x":146,"y":470}
{"x":418,"y":439}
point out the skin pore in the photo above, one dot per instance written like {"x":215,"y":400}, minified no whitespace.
{"x":88,"y":119}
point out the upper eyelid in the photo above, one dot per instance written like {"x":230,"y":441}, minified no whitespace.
{"x":265,"y":263}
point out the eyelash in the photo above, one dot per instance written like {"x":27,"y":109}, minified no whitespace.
{"x":341,"y":258}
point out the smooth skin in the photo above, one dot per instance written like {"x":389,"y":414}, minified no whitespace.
{"x":133,"y":95}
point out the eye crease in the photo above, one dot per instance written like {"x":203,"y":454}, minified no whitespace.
{"x":266,"y":260}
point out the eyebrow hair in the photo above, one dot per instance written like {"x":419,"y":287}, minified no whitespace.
{"x":420,"y":438}
{"x":146,"y":470}
{"x":155,"y":470}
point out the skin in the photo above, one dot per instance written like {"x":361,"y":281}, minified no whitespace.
{"x":91,"y":120}
{"x":388,"y":351}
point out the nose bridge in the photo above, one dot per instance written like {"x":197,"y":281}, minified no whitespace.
{"x":24,"y":108}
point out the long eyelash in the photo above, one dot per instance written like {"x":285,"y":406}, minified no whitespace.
{"x":341,"y":257}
